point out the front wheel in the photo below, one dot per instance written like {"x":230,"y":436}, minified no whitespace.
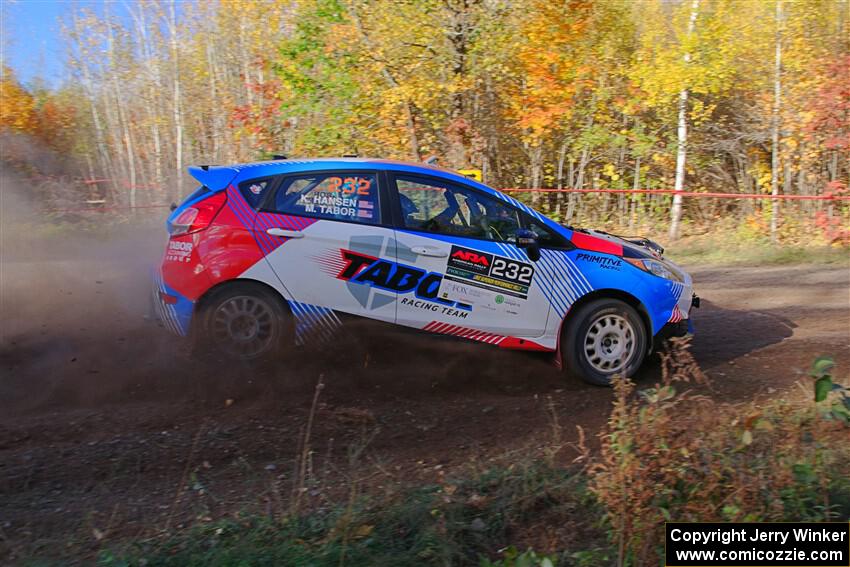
{"x":245,"y":323}
{"x":604,"y":338}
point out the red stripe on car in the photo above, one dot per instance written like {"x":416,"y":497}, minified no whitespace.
{"x":594,"y":244}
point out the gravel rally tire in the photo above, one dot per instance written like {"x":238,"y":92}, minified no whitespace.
{"x":246,"y":322}
{"x":604,"y":338}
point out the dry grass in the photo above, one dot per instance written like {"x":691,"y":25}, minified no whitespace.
{"x":674,"y":453}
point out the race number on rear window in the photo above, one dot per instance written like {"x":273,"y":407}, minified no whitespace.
{"x":334,"y":196}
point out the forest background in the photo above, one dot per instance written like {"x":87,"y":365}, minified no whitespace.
{"x":737,"y":97}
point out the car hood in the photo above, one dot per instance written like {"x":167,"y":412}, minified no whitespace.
{"x":633,"y":246}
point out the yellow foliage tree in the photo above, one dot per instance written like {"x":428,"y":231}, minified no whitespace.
{"x":17,"y":106}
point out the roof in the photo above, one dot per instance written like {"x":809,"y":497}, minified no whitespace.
{"x":213,"y":175}
{"x":218,"y":177}
{"x":313,"y":164}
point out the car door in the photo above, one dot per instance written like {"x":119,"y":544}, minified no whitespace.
{"x":463,"y":242}
{"x":322,"y":230}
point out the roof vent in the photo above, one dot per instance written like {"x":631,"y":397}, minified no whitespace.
{"x":278,"y":157}
{"x":350,"y":155}
{"x":431,"y":160}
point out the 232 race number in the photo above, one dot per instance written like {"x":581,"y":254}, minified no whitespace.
{"x":511,"y":271}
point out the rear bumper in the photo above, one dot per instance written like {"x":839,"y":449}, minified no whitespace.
{"x":169,"y":308}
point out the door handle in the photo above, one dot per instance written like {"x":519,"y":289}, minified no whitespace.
{"x":285,"y":233}
{"x":425,"y":251}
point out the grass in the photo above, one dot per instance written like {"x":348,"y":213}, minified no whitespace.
{"x":479,"y":521}
{"x":460,"y":522}
{"x":696,"y":251}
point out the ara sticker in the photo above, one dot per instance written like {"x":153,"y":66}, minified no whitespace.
{"x":487,"y":271}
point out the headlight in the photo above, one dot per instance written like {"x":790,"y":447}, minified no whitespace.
{"x":657,"y":268}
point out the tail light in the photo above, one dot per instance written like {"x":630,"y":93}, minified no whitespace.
{"x":198,"y":216}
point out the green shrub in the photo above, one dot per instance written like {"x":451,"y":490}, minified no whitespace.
{"x":668,"y":455}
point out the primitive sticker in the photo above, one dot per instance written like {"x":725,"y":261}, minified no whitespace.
{"x":494,"y":273}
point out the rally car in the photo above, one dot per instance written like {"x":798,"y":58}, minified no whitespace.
{"x":264,"y":256}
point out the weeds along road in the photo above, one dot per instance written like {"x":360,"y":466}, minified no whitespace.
{"x":108,"y":429}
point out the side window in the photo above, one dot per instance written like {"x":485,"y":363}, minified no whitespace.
{"x":446,"y":208}
{"x":333,"y":196}
{"x":545,"y":236}
{"x":254,"y":189}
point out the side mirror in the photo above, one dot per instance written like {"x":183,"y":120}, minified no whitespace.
{"x":527,"y":239}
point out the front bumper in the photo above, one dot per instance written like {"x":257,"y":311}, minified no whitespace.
{"x":681,"y":328}
{"x":678,"y":329}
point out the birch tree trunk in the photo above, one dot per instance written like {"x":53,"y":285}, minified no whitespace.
{"x":777,"y":102}
{"x":123,"y":119}
{"x":536,"y":173}
{"x":562,"y":158}
{"x":152,"y":90}
{"x":215,"y":117}
{"x":100,"y":143}
{"x":579,"y":184}
{"x":178,"y":115}
{"x":682,"y":133}
{"x":634,"y":197}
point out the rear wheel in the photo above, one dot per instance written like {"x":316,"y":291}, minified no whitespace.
{"x":605,"y":337}
{"x":246,"y":322}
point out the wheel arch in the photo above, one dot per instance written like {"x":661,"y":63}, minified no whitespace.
{"x":609,"y":293}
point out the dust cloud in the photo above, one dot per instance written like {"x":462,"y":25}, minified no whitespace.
{"x":73,"y":289}
{"x":76,"y":331}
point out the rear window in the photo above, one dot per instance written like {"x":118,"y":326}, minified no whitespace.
{"x":351,"y":197}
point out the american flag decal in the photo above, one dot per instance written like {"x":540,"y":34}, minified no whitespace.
{"x":676,"y":316}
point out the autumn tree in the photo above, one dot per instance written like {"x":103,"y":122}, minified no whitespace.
{"x":17,"y":106}
{"x":582,"y":94}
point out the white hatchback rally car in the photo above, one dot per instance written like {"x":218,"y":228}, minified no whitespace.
{"x":278,"y":253}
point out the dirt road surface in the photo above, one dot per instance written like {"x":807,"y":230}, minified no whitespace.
{"x":109,"y":430}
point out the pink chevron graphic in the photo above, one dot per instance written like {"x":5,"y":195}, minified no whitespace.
{"x":264,"y":221}
{"x":330,"y":262}
{"x":463,"y":332}
{"x":676,"y":316}
{"x":259,"y":223}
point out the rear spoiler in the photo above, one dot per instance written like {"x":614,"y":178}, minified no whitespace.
{"x":213,"y":177}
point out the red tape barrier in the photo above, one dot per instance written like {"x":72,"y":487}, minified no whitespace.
{"x":687,"y":194}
